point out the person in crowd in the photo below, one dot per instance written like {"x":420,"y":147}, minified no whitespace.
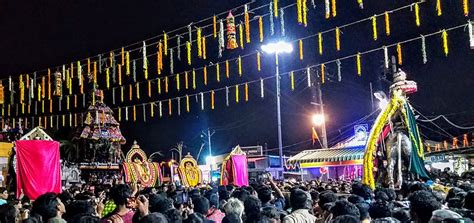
{"x":201,"y":208}
{"x":252,"y":206}
{"x":214,"y":213}
{"x":122,"y":196}
{"x":345,"y":219}
{"x":422,"y":205}
{"x":49,"y":208}
{"x":363,"y":212}
{"x":326,"y":200}
{"x":3,"y":195}
{"x":234,"y":207}
{"x":270,"y":215}
{"x":300,"y":204}
{"x":343,"y":207}
{"x":380,"y":209}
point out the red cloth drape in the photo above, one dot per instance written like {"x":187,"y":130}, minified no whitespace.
{"x":38,"y":167}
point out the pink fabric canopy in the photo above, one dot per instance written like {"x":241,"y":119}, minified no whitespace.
{"x":38,"y":167}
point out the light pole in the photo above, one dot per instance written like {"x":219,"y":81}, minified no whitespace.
{"x":278,"y":48}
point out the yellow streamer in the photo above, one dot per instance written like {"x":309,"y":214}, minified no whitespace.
{"x":123,"y":56}
{"x":165,"y":45}
{"x":241,"y":36}
{"x":186,"y":82}
{"x":119,"y":67}
{"x":159,"y":58}
{"x":199,"y":41}
{"x":465,"y":7}
{"x":292,"y":78}
{"x":218,"y":72}
{"x":320,"y":43}
{"x":152,"y":110}
{"x":237,"y":93}
{"x":359,"y":69}
{"x":119,"y":114}
{"x":259,"y":68}
{"x":300,"y":43}
{"x":170,"y":110}
{"x":121,"y":93}
{"x":239,"y":63}
{"x":177,"y":82}
{"x":159,"y":86}
{"x":275,"y":8}
{"x":260,"y":28}
{"x":399,"y":54}
{"x":166,"y":84}
{"x":194,"y":79}
{"x":247,"y":27}
{"x":49,"y":84}
{"x":205,"y":75}
{"x":127,"y":63}
{"x":444,"y":36}
{"x":67,"y":102}
{"x":188,"y":50}
{"x":334,"y":12}
{"x":299,"y":11}
{"x":187,"y":103}
{"x":439,"y":10}
{"x":212,"y":100}
{"x":134,"y":113}
{"x":204,"y":53}
{"x":51,"y":106}
{"x":149,"y":89}
{"x":417,"y":14}
{"x":227,"y":73}
{"x":88,"y":65}
{"x":305,"y":13}
{"x":387,"y":24}
{"x":214,"y":25}
{"x":374,"y":26}
{"x":247,"y":91}
{"x":338,"y":39}
{"x":107,"y":78}
{"x":138,"y":90}
{"x":43,"y":87}
{"x":322,"y":73}
{"x":95,"y":73}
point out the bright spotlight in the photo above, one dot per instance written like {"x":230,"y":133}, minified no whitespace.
{"x":318,"y":119}
{"x":279,"y":47}
{"x":383,"y":104}
{"x":210,"y":160}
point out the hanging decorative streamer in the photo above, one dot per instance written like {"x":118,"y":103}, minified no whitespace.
{"x":300,"y":43}
{"x":123,"y":56}
{"x":374,"y":26}
{"x":439,"y":10}
{"x":159,"y":85}
{"x":165,"y":44}
{"x":160,"y":108}
{"x":275,"y":8}
{"x":237,"y":93}
{"x":188,"y":50}
{"x":149,"y":89}
{"x":199,"y":41}
{"x":120,"y":74}
{"x":231,"y":32}
{"x":94,"y":75}
{"x":186,"y":80}
{"x":361,"y":4}
{"x":214,"y":25}
{"x":130,"y":91}
{"x":166,"y":84}
{"x":121,"y":93}
{"x":444,"y":37}
{"x":385,"y":57}
{"x":359,"y":69}
{"x":190,"y":33}
{"x":178,"y":46}
{"x":299,"y":11}
{"x":292,"y":80}
{"x":145,"y":62}
{"x":465,"y":7}
{"x":171,"y":61}
{"x":241,"y":35}
{"x":179,"y":106}
{"x":246,"y":91}
{"x":49,"y":84}
{"x":67,"y":102}
{"x":159,"y":58}
{"x":262,"y":92}
{"x":417,"y":14}
{"x":202,"y":101}
{"x":218,"y":72}
{"x":327,"y":9}
{"x":247,"y":23}
{"x":339,"y":75}
{"x":272,"y":25}
{"x":113,"y":96}
{"x":305,"y":13}
{"x":322,"y":73}
{"x":399,"y":54}
{"x":212,"y":99}
{"x":204,"y":53}
{"x":79,"y":73}
{"x":239,"y":63}
{"x":471,"y":34}
{"x":100,"y":64}
{"x":221,"y":38}
{"x":334,"y":11}
{"x":194,"y":79}
{"x":259,"y":67}
{"x":177,"y":82}
{"x":260,"y":28}
{"x":75,"y":102}
{"x":282,"y":22}
{"x":107,"y":77}
{"x":187,"y":103}
{"x":127,"y":63}
{"x":227,"y":73}
{"x":126,"y":113}
{"x":137,"y":85}
{"x":43,"y":87}
{"x":134,"y":69}
{"x":134,"y":113}
{"x":320,"y":43}
{"x":387,"y":24}
{"x":308,"y":74}
{"x":338,"y":39}
{"x":144,"y":110}
{"x":170,"y":108}
{"x":205,"y":75}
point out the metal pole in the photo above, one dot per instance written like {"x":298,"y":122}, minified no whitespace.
{"x":280,"y":142}
{"x":321,"y":109}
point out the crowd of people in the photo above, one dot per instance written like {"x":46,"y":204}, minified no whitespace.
{"x":261,"y":202}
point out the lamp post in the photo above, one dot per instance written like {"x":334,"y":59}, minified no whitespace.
{"x":278,"y":48}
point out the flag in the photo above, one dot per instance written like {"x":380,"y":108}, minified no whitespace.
{"x":314,"y":135}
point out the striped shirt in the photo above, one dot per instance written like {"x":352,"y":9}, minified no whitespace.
{"x":300,"y":216}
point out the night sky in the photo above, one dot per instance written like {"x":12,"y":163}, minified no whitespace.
{"x":41,"y":34}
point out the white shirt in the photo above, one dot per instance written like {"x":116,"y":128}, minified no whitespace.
{"x":299,"y":216}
